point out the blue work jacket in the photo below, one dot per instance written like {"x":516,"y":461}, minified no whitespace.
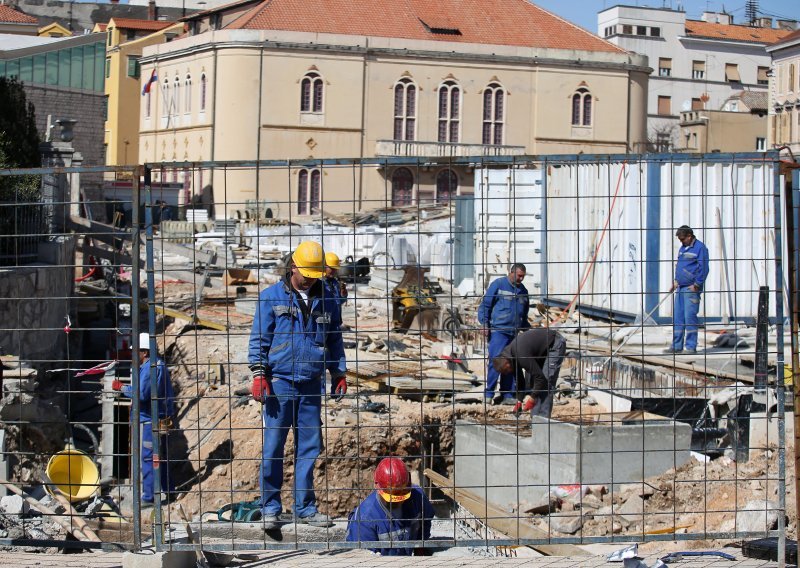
{"x":504,"y":307}
{"x":332,"y":289}
{"x":692,"y":265}
{"x":374,"y":520}
{"x":293,"y":342}
{"x":166,"y":396}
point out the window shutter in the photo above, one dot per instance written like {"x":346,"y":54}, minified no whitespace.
{"x":732,"y":73}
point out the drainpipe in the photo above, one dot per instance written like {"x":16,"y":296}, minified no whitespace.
{"x":258,"y":125}
{"x":363,"y":122}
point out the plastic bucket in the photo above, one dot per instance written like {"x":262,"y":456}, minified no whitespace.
{"x":593,"y":373}
{"x":74,"y":473}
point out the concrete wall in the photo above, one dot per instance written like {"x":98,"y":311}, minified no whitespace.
{"x":34,"y":301}
{"x":505,"y":468}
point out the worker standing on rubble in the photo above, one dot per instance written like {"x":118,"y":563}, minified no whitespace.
{"x":535,"y":359}
{"x":395,"y":512}
{"x":165,"y":421}
{"x":691,"y":271}
{"x":333,"y":286}
{"x":296,"y":336}
{"x":503,"y":313}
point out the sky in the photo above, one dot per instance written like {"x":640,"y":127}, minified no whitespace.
{"x":584,"y":12}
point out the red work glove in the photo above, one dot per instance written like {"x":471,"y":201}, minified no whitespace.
{"x":526,"y":405}
{"x":261,"y":388}
{"x":116,"y":385}
{"x":338,"y":387}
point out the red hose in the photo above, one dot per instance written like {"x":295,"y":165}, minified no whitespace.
{"x":91,"y":272}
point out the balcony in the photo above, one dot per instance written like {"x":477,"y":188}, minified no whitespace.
{"x":691,"y":117}
{"x":414,"y":149}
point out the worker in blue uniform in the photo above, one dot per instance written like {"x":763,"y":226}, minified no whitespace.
{"x":395,"y":513}
{"x":295,"y":337}
{"x":333,"y":286}
{"x":691,"y":271}
{"x":164,"y":422}
{"x":503,"y":312}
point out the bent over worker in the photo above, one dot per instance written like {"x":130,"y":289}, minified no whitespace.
{"x":535,"y":359}
{"x":503,"y":313}
{"x":295,"y":337}
{"x":396,"y":512}
{"x":164,"y":420}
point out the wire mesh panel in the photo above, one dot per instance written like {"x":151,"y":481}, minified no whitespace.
{"x":404,"y":354}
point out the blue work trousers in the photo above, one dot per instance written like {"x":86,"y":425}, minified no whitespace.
{"x":497,"y":342}
{"x":148,"y":477}
{"x":684,"y":318}
{"x":294,"y":405}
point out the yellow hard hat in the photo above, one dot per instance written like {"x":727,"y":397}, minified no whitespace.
{"x":332,"y":260}
{"x":308,"y":258}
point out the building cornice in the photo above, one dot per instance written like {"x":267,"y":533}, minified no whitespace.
{"x":717,"y":41}
{"x":362,"y":51}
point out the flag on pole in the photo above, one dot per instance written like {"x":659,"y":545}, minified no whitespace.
{"x":153,"y":78}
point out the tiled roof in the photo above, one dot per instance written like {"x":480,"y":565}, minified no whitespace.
{"x":695,"y":28}
{"x":147,"y":25}
{"x":754,"y":100}
{"x":793,"y":36}
{"x":495,"y":22}
{"x":9,"y":15}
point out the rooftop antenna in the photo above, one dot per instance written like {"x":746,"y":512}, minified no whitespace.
{"x":751,"y":11}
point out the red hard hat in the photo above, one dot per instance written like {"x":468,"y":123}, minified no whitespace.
{"x":392,"y":480}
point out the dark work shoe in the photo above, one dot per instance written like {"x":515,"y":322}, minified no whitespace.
{"x":317,"y":520}
{"x":672,"y":350}
{"x":497,"y":399}
{"x":270,"y":522}
{"x":690,"y":351}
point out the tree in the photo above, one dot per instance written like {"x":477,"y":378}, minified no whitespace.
{"x":19,"y":142}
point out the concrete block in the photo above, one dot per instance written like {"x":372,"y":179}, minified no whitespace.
{"x":757,"y":516}
{"x":166,"y":559}
{"x":14,"y":505}
{"x":764,"y":430}
{"x":567,"y":523}
{"x":632,"y":510}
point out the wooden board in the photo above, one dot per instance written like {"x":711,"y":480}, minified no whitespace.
{"x":499,"y":519}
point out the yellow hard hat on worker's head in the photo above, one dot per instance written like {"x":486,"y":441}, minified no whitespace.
{"x":332,"y":260}
{"x":309,"y":259}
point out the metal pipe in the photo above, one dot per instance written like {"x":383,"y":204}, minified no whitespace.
{"x":134,"y":418}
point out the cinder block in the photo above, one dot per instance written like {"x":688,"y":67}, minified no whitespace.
{"x":166,"y":559}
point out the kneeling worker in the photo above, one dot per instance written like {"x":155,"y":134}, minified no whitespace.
{"x":394,"y":513}
{"x":535,"y":358}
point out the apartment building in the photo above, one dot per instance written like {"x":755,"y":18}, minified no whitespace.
{"x":784,"y":93}
{"x":292,"y":79}
{"x":697,"y":64}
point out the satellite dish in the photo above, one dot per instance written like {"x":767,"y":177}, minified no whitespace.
{"x":686,"y":105}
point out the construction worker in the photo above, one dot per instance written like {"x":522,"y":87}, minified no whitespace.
{"x":164,"y":420}
{"x":691,"y":271}
{"x":503,"y":312}
{"x":333,"y":286}
{"x":534,"y":358}
{"x":295,"y":337}
{"x":396,"y":512}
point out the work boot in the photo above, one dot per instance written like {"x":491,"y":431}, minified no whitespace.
{"x":497,"y":399}
{"x":672,"y":350}
{"x":317,"y":520}
{"x":692,"y":351}
{"x":270,"y":522}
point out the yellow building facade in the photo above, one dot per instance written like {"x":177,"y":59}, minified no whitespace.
{"x":265,"y":94}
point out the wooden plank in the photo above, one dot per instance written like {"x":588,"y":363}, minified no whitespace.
{"x":499,"y":520}
{"x":191,"y":317}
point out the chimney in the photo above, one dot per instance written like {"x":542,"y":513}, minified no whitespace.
{"x":789,"y":25}
{"x":717,"y":18}
{"x":764,"y":23}
{"x":151,"y":10}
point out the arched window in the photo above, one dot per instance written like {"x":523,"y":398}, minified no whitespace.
{"x":176,"y":103}
{"x":309,"y":191}
{"x":494,"y":99}
{"x":402,"y":186}
{"x":449,"y":111}
{"x":582,"y":107}
{"x":311,"y":93}
{"x":446,"y":185}
{"x":203,"y":82}
{"x":188,"y":96}
{"x":405,"y":110}
{"x":165,"y":98}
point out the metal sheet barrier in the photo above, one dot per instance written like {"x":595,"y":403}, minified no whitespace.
{"x":157,"y":439}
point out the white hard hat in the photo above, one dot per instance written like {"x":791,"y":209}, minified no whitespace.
{"x":144,"y":341}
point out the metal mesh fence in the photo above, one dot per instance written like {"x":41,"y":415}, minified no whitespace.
{"x":518,"y":332}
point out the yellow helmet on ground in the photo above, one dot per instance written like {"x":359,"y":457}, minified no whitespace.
{"x":308,"y":258}
{"x":332,"y":260}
